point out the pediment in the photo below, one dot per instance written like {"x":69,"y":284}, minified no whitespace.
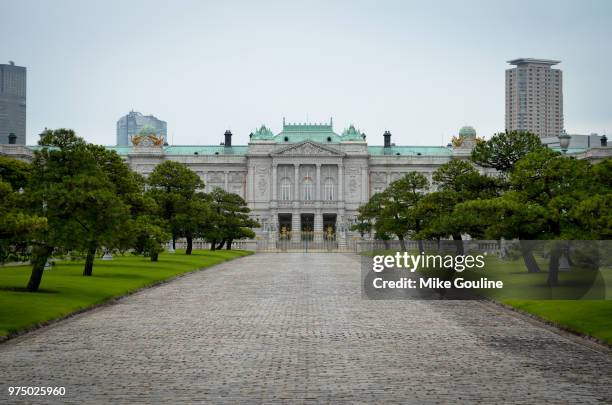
{"x":307,"y":148}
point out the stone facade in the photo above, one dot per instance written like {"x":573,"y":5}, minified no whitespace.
{"x":307,"y":178}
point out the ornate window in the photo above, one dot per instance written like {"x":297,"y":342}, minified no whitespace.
{"x":307,"y":186}
{"x":328,"y":190}
{"x":285,"y":189}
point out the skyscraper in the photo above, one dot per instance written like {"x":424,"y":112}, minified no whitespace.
{"x":534,"y":97}
{"x":132,"y":123}
{"x":12,"y":104}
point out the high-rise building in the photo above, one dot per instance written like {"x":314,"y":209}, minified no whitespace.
{"x":534,"y":97}
{"x":132,"y":123}
{"x":12,"y":104}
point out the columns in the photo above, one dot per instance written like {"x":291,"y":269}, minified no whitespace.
{"x":296,"y":227}
{"x":318,"y":226}
{"x":318,"y":190}
{"x":340,"y":182}
{"x":365,"y":186}
{"x":274,"y":231}
{"x":226,"y":180}
{"x":340,"y":231}
{"x":274,"y":182}
{"x":296,"y":194}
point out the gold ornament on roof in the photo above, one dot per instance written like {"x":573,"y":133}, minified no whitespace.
{"x":148,"y":140}
{"x":457,"y":141}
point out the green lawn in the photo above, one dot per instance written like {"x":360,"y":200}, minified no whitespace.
{"x":64,"y":290}
{"x":593,"y":318}
{"x":590,"y":315}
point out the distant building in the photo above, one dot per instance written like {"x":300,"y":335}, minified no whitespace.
{"x":132,"y":123}
{"x":534,"y":97}
{"x":12,"y":104}
{"x":577,"y":141}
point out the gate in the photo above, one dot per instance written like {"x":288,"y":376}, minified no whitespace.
{"x":305,"y":242}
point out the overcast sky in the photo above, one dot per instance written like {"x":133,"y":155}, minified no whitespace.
{"x":419,"y":69}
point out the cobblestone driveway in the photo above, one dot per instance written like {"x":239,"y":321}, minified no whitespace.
{"x":293,"y":327}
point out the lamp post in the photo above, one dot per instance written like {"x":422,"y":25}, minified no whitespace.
{"x":564,"y":141}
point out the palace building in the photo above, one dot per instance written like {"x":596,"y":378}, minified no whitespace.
{"x":306,"y":181}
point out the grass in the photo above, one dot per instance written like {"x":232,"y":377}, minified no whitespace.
{"x":590,"y":315}
{"x":592,"y":318}
{"x":64,"y":290}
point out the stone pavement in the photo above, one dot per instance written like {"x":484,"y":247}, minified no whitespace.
{"x":293,"y":328}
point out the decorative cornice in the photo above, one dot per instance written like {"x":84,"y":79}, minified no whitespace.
{"x":307,"y":148}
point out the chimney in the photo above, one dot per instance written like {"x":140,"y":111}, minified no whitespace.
{"x":12,"y":138}
{"x":387,"y":136}
{"x":228,"y":138}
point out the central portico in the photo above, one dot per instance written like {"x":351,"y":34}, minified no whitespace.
{"x":298,"y":181}
{"x":306,"y":187}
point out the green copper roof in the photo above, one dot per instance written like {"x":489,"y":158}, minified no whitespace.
{"x":295,"y":133}
{"x":352,"y":134}
{"x":262,"y":133}
{"x":467,"y":131}
{"x":300,"y":132}
{"x":411,"y":151}
{"x":239,"y":150}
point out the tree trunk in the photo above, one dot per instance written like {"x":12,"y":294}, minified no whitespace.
{"x":553,"y":267}
{"x":402,"y":243}
{"x":89,"y":260}
{"x":40,"y":254}
{"x":220,"y":246}
{"x":189,"y":238}
{"x":421,"y":247}
{"x":213,"y":244}
{"x":173,"y":241}
{"x":154,"y":256}
{"x":528,"y":257}
{"x":458,"y":244}
{"x":229,"y":244}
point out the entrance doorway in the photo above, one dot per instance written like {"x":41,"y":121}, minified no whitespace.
{"x":329,"y":227}
{"x":284,"y":226}
{"x":307,"y":221}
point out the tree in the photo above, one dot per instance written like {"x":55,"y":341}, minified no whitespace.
{"x":393,"y":212}
{"x":15,"y":172}
{"x":173,"y":186}
{"x":228,"y":220}
{"x":557,"y":184}
{"x":150,"y":234}
{"x":504,"y":149}
{"x":106,"y":225}
{"x":16,"y":224}
{"x":457,"y":181}
{"x":549,"y":194}
{"x":71,"y":189}
{"x":367,"y":216}
{"x":195,"y":218}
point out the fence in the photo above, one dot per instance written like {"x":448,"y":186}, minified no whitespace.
{"x":311,"y":242}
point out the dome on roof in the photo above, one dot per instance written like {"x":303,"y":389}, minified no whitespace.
{"x":467,"y":131}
